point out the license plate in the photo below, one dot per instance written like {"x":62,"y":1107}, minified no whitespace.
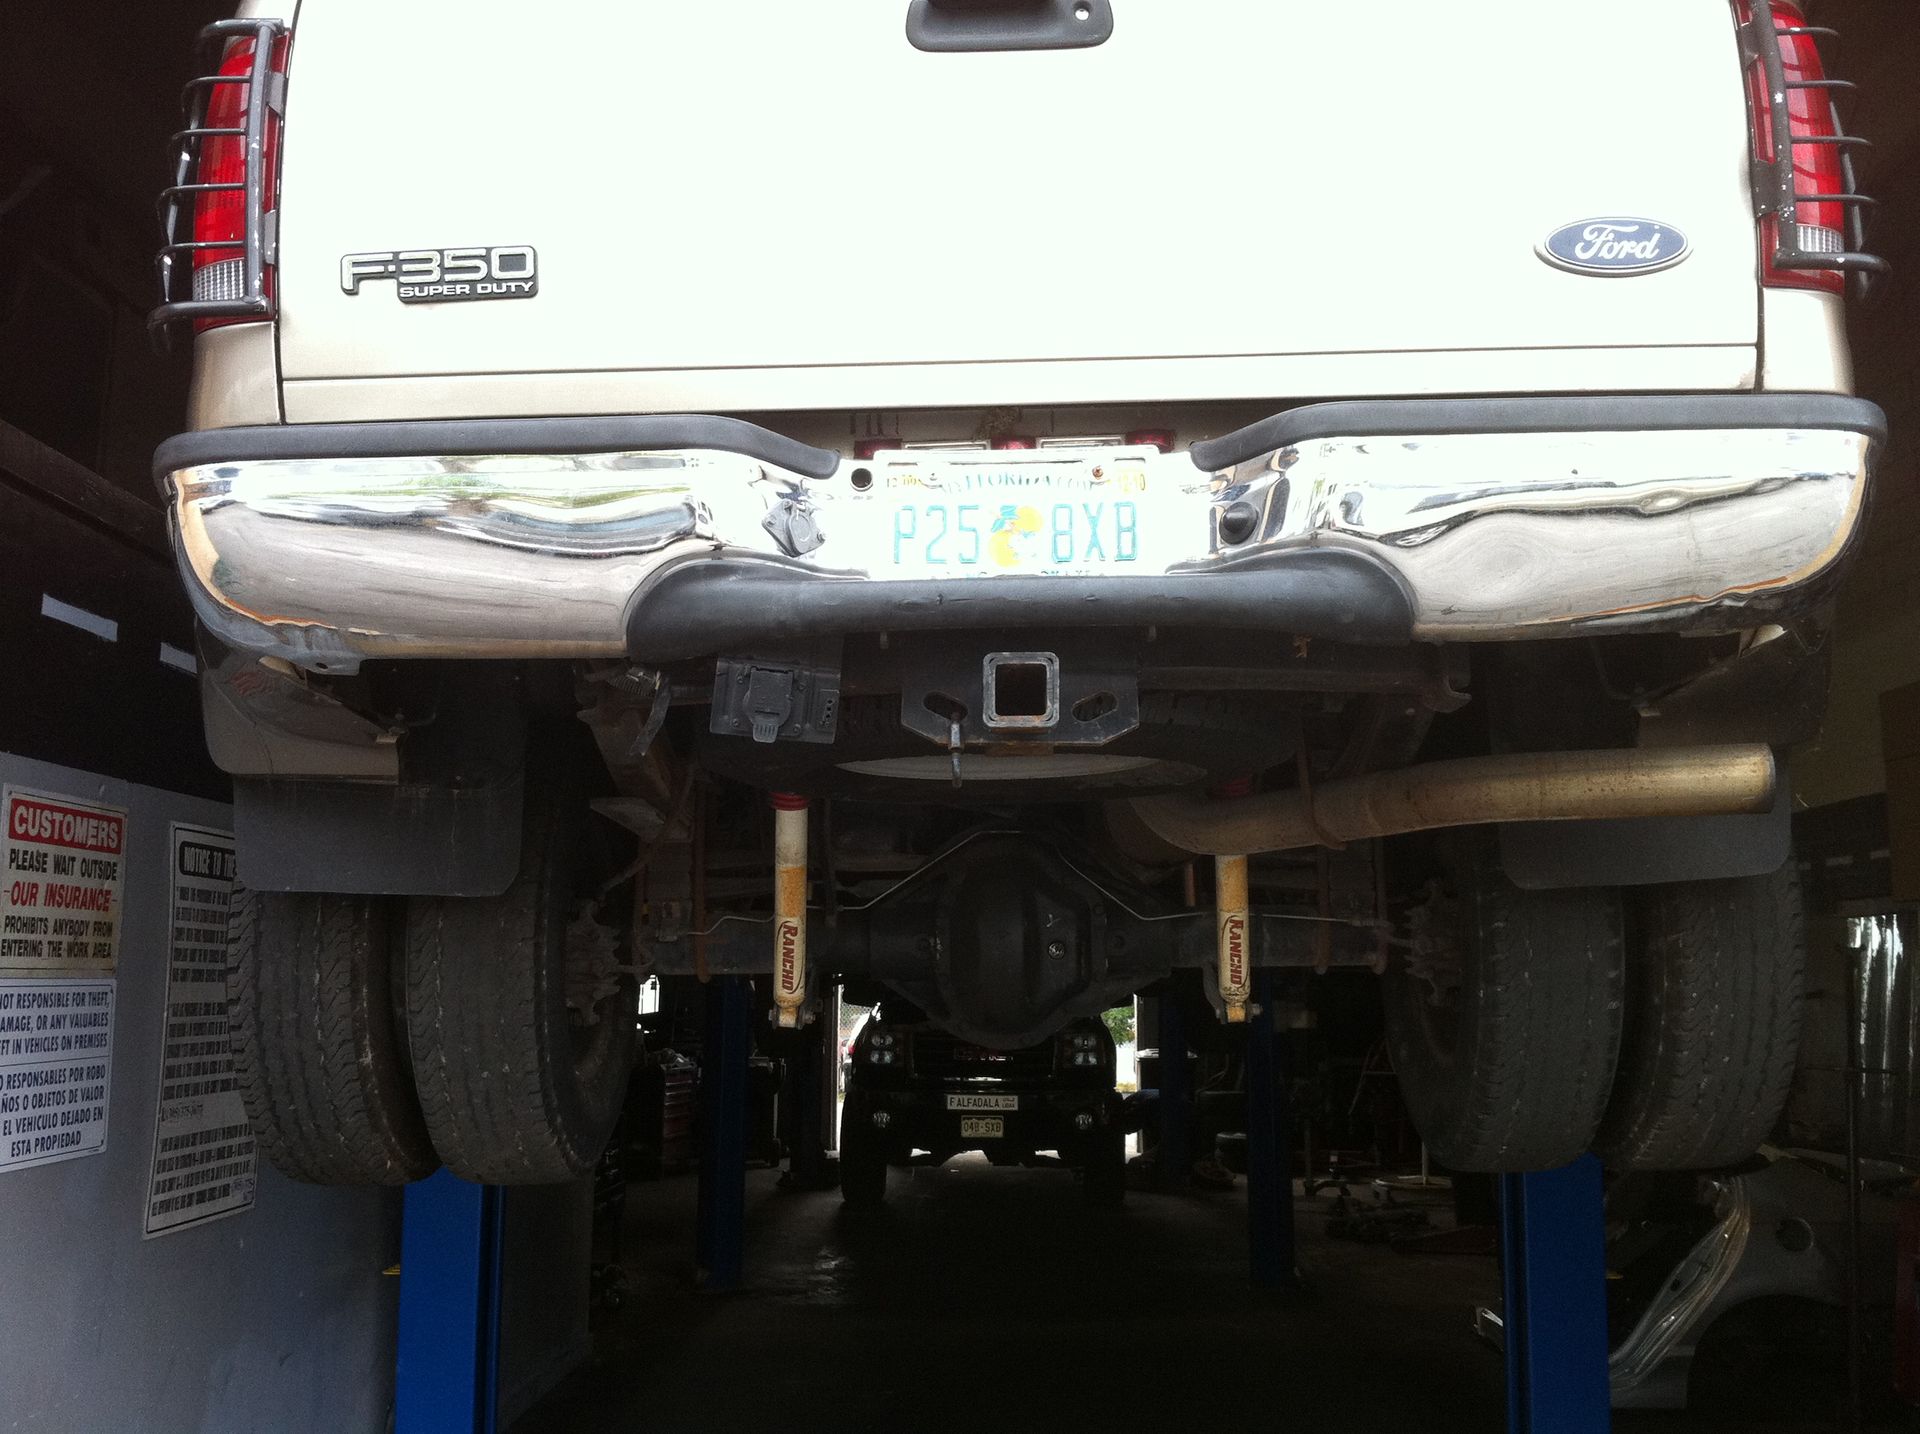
{"x":982,"y":1127}
{"x":983,"y":1102}
{"x":1044,"y":513}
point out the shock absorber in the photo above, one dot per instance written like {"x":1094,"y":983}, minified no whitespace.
{"x":789,"y":907}
{"x":1230,"y":901}
{"x":1230,"y":907}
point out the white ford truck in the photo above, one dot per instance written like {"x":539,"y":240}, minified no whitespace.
{"x":1012,"y":504}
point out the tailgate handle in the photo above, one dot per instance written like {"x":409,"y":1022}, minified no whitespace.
{"x":952,"y":25}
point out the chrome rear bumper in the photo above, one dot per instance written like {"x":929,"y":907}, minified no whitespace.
{"x":463,"y":542}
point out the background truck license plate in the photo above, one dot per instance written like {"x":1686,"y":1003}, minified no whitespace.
{"x":982,"y":1101}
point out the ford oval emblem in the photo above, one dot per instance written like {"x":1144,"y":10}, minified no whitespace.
{"x":1614,"y":246}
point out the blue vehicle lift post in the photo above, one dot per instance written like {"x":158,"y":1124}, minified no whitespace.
{"x":720,"y":1221}
{"x":1270,"y":1247}
{"x":1553,"y":1265}
{"x":446,"y":1365}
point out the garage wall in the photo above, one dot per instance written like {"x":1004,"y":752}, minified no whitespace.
{"x":1877,"y":644}
{"x":278,"y":1318}
{"x":91,"y":95}
{"x":1841,"y":826}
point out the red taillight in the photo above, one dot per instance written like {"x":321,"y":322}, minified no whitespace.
{"x":1161,"y":438}
{"x":865,"y":448}
{"x":220,"y":215}
{"x":1819,"y":225}
{"x":1009,"y":441}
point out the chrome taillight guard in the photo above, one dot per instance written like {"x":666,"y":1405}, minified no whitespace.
{"x":1775,"y":191}
{"x":265,"y":94}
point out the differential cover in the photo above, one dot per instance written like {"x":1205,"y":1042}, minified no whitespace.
{"x":1018,"y":937}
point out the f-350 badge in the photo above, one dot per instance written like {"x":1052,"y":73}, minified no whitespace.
{"x":439,"y":276}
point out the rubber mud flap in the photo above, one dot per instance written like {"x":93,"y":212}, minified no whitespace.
{"x":1646,"y":851}
{"x":403,"y":840}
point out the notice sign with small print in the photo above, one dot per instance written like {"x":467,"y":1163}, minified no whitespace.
{"x":60,"y":892}
{"x":56,"y":1061}
{"x":203,"y":1155}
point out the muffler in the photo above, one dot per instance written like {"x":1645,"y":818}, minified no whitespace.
{"x":1516,"y":787}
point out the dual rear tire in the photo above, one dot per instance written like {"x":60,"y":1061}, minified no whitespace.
{"x":319,"y":1050}
{"x":1714,"y":993}
{"x":375,"y":1040}
{"x":1657,"y":1030}
{"x":495,"y":1034}
{"x":519,"y":1020}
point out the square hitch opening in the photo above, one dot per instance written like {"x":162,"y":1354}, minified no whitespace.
{"x":1022,"y":690}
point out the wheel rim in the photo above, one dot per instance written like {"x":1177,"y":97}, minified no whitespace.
{"x":598,"y":987}
{"x":1436,"y":971}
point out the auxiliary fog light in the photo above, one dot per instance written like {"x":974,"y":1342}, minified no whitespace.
{"x":881,"y":1120}
{"x":1083,"y":1121}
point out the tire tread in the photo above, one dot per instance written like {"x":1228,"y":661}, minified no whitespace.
{"x":1539,"y":1024}
{"x":316,"y":1059}
{"x":488,"y":1029}
{"x":1716,"y":994}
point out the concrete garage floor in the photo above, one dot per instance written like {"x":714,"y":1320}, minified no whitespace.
{"x":985,"y":1299}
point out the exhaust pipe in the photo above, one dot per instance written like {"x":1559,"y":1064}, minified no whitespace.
{"x":789,"y":908}
{"x":1518,"y":787}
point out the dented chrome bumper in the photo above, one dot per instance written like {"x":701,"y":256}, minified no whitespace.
{"x":674,"y":537}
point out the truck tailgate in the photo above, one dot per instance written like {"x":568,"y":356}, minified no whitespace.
{"x":768,"y":185}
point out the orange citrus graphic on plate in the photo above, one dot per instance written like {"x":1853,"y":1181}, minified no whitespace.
{"x":1011,"y":538}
